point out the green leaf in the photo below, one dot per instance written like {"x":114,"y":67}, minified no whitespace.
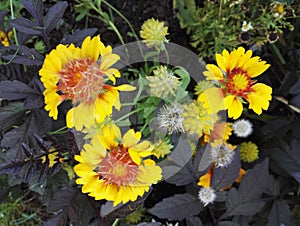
{"x":177,"y":207}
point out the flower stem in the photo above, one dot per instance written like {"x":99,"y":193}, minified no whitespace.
{"x":13,"y":17}
{"x":116,"y":222}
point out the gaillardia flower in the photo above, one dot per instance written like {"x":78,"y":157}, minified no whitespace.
{"x":233,"y":76}
{"x":153,"y":32}
{"x":114,"y":168}
{"x":82,"y":75}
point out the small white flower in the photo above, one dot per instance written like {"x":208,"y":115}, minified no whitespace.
{"x":242,"y":128}
{"x":207,"y":195}
{"x":221,"y":155}
{"x":246,"y":26}
{"x":170,"y":119}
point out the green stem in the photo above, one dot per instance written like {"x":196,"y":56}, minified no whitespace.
{"x":116,"y":222}
{"x":60,"y":130}
{"x":278,"y":54}
{"x":123,"y":17}
{"x":127,"y":115}
{"x":13,"y":17}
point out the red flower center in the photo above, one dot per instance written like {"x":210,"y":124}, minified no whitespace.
{"x":81,"y":79}
{"x":238,"y":82}
{"x":118,"y":168}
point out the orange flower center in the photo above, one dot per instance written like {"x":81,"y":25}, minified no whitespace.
{"x":238,"y":82}
{"x":118,"y":168}
{"x":81,"y":79}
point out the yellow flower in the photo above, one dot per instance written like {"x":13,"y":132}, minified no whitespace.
{"x":4,"y":39}
{"x":197,"y":120}
{"x":163,"y":83}
{"x":153,"y":32}
{"x":234,"y":75}
{"x":248,"y":152}
{"x":81,"y":75}
{"x":113,"y":167}
{"x":205,"y":180}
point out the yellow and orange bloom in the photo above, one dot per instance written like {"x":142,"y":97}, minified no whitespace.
{"x":82,"y":75}
{"x":234,"y":78}
{"x":114,"y":168}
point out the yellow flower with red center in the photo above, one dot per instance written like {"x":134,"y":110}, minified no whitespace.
{"x":83,"y":76}
{"x":114,"y":168}
{"x":234,"y":78}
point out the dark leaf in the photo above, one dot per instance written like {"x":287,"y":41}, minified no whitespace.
{"x":295,"y":89}
{"x":121,"y":210}
{"x":178,"y":175}
{"x":14,"y":90}
{"x":12,"y":167}
{"x":224,"y":176}
{"x":10,"y":115}
{"x":287,"y":157}
{"x":27,"y":150}
{"x":58,"y":220}
{"x":182,"y":153}
{"x":254,"y":181}
{"x":27,"y":26}
{"x":177,"y":207}
{"x":78,"y":36}
{"x":38,"y":122}
{"x":55,"y":13}
{"x":273,"y":187}
{"x":193,"y":221}
{"x":280,"y":213}
{"x":228,"y":223}
{"x":236,"y":205}
{"x":35,"y":8}
{"x":246,"y":201}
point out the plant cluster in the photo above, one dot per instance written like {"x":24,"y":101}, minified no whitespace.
{"x":215,"y":25}
{"x":144,"y":133}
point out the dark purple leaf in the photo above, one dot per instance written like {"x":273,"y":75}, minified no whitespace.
{"x":193,"y":221}
{"x":10,"y":115}
{"x":246,"y":201}
{"x":55,"y":13}
{"x":224,"y":176}
{"x":228,"y":223}
{"x":38,"y":122}
{"x":254,"y":181}
{"x":14,"y":90}
{"x":17,"y":59}
{"x":286,"y":156}
{"x":122,"y":210}
{"x":62,"y":200}
{"x":35,"y":8}
{"x":27,"y":26}
{"x":280,"y":213}
{"x":78,"y":36}
{"x":58,"y":220}
{"x":178,"y":175}
{"x":27,"y":150}
{"x":177,"y":207}
{"x":12,"y":167}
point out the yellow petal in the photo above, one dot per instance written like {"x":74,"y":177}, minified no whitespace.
{"x":212,"y":100}
{"x":213,"y":73}
{"x":234,"y":106}
{"x":131,"y":138}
